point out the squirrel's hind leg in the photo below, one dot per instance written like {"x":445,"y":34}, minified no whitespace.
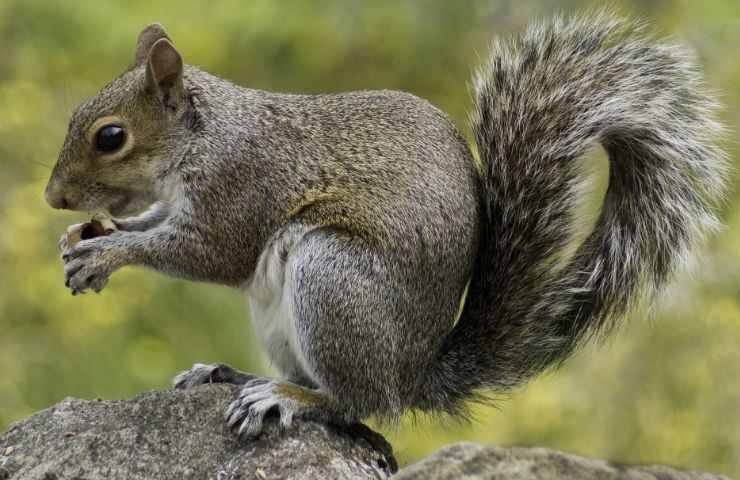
{"x":202,"y":374}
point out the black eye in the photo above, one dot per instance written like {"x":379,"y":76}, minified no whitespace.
{"x":110,"y":138}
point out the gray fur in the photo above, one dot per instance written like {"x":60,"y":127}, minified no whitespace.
{"x":370,"y":215}
{"x":541,"y":100}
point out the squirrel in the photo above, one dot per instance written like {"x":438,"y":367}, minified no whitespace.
{"x":387,"y":268}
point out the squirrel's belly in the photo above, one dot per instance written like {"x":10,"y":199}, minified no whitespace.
{"x":273,"y":324}
{"x":271,"y":302}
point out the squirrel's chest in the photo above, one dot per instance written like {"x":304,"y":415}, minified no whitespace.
{"x":271,"y":302}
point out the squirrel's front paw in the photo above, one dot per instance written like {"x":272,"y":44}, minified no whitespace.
{"x":203,"y":374}
{"x":88,"y":264}
{"x":261,"y":396}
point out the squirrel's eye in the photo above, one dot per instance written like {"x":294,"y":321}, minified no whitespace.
{"x":110,"y":138}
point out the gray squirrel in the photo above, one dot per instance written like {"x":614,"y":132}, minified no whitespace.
{"x":355,"y":222}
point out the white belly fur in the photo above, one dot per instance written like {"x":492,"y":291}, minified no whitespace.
{"x":271,"y":301}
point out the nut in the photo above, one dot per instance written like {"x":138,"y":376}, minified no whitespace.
{"x":99,"y":226}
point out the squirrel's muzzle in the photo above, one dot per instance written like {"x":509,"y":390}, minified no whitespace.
{"x":57,"y":198}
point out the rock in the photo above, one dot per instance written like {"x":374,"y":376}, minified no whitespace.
{"x":476,"y":462}
{"x":180,"y":434}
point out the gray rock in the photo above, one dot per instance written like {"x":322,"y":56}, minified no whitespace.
{"x":181,"y":435}
{"x":476,"y":462}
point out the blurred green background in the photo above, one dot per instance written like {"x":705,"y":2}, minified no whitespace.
{"x":665,"y":389}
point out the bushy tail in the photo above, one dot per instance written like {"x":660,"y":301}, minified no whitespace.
{"x":542,"y":100}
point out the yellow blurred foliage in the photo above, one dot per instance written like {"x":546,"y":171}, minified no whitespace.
{"x":665,"y":389}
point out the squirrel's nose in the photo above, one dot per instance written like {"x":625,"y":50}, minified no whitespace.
{"x":56,"y":198}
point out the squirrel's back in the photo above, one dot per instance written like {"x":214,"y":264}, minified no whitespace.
{"x":377,"y":163}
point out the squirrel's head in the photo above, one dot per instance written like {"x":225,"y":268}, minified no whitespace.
{"x":122,"y":139}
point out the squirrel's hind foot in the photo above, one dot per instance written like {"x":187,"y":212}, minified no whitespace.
{"x":263,"y":396}
{"x":203,"y":374}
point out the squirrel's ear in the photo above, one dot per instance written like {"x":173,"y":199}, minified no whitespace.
{"x":164,"y":72}
{"x":147,"y":38}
